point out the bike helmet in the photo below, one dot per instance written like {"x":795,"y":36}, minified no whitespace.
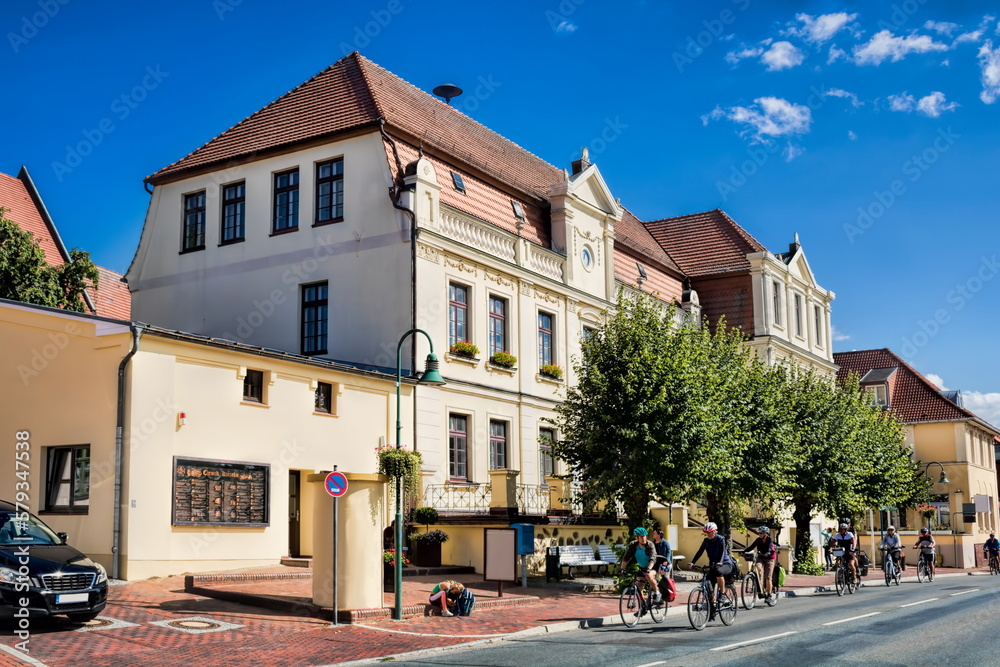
{"x":710,"y":527}
{"x":639,"y":531}
{"x":993,"y":535}
{"x":923,"y":531}
{"x":891,"y":528}
{"x":843,"y":526}
{"x":764,"y":529}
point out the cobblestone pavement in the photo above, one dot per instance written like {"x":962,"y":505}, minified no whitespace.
{"x":154,"y":623}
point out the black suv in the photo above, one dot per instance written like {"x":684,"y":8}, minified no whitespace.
{"x":40,"y":572}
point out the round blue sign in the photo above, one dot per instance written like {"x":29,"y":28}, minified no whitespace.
{"x":336,"y":484}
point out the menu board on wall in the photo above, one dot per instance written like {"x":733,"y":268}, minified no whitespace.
{"x":211,"y":493}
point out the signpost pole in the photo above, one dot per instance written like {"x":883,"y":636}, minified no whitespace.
{"x":336,"y":503}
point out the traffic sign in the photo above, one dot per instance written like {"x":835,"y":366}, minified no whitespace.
{"x":336,"y":484}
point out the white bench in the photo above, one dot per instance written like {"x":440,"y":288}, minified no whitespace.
{"x":607,"y":555}
{"x":577,"y":555}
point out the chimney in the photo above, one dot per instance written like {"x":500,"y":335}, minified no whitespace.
{"x":794,"y":245}
{"x":582,"y":163}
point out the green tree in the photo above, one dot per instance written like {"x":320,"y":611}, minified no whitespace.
{"x":25,"y":275}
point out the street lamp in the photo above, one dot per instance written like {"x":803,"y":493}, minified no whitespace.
{"x":944,"y":479}
{"x":432,"y":377}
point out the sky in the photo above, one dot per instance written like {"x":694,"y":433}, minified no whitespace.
{"x":869,"y":129}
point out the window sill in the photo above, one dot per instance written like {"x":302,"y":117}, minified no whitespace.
{"x":548,"y":378}
{"x":468,"y":361}
{"x":254,"y":404}
{"x":504,"y":370}
{"x":324,"y":414}
{"x":233,"y":241}
{"x":279,"y":232}
{"x":189,"y":250}
{"x":63,"y":511}
{"x":331,"y":221}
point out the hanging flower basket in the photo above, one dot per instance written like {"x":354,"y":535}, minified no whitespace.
{"x":927,"y":511}
{"x":400,"y":463}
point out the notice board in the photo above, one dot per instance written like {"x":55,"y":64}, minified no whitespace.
{"x":500,"y":561}
{"x":211,"y":493}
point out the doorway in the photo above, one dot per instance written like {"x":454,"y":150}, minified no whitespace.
{"x":294,"y":512}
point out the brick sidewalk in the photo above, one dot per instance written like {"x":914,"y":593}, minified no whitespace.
{"x":143,"y":612}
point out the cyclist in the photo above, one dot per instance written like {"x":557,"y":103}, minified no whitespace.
{"x":893,"y":546}
{"x":719,"y":561}
{"x":846,"y":540}
{"x":850,"y":527}
{"x":642,"y":552}
{"x":926,"y":545}
{"x":991,"y":547}
{"x":767,"y":553}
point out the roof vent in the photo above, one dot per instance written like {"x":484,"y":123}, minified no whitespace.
{"x":447,"y":91}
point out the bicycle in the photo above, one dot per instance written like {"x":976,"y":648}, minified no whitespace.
{"x":752,"y":588}
{"x":924,"y":570}
{"x":701,"y":606}
{"x":844,"y":579}
{"x":994,"y":563}
{"x":636,"y":601}
{"x":890,"y":570}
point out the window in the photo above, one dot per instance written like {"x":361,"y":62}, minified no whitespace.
{"x":253,"y":386}
{"x":587,"y":333}
{"x":456,"y":180}
{"x":233,"y":212}
{"x":546,"y":462}
{"x":314,"y":318}
{"x":544,"y":339}
{"x":286,"y":201}
{"x":498,"y":325}
{"x":458,"y":442}
{"x":324,"y":398}
{"x":819,"y":325}
{"x":498,"y":444}
{"x":877,"y":394}
{"x":776,"y":290}
{"x":330,"y":191}
{"x":798,"y":315}
{"x":518,"y":209}
{"x":68,"y":477}
{"x":194,"y":222}
{"x":458,"y":300}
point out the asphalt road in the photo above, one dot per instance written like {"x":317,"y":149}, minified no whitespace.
{"x":951,"y":621}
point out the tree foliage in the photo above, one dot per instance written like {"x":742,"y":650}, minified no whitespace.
{"x":25,"y":275}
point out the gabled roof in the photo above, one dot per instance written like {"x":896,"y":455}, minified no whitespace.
{"x":705,"y":243}
{"x":30,"y":215}
{"x":912,"y":397}
{"x":112,"y":297}
{"x":355,"y":93}
{"x":631,"y":233}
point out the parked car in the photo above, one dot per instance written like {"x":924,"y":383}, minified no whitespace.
{"x":58,"y":579}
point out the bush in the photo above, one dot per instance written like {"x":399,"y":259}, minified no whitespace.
{"x":505,"y":359}
{"x":464,"y":348}
{"x":431,"y":537}
{"x":807,"y":567}
{"x":552,"y":371}
{"x":425,"y":515}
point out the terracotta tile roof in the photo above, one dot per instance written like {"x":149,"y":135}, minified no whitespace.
{"x":912,"y":397}
{"x":112,"y":297}
{"x":22,"y":209}
{"x":705,"y":243}
{"x":730,"y":296}
{"x":354,"y":93}
{"x":659,"y":282}
{"x":630,"y":232}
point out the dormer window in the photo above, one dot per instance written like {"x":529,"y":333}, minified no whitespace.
{"x":518,"y":209}
{"x":875,"y":385}
{"x":878,"y":395}
{"x":456,"y":180}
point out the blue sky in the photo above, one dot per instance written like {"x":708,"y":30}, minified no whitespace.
{"x":870,"y":129}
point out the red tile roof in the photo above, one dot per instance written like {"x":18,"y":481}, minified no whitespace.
{"x":705,"y":243}
{"x":112,"y":297}
{"x":630,"y":232}
{"x":911,"y":396}
{"x":22,"y":209}
{"x":730,"y":296}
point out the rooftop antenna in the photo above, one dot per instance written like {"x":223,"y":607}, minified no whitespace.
{"x":447,"y":91}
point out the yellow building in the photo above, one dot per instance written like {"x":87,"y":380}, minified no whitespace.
{"x":953,"y":445}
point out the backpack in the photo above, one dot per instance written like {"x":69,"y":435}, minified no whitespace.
{"x":465,"y":602}
{"x":668,"y":588}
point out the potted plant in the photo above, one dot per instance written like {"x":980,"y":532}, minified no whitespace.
{"x":552,"y":371}
{"x":504,"y":359}
{"x":927,"y":511}
{"x":464,"y":348}
{"x":427,"y":548}
{"x":389,"y":565}
{"x":426,"y":516}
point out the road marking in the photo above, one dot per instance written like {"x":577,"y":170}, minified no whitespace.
{"x":916,"y":603}
{"x":753,"y":641}
{"x":852,"y":618}
{"x":652,"y":664}
{"x":427,"y":634}
{"x":971,"y":590}
{"x":21,"y":655}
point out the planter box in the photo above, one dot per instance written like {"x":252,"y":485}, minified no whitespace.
{"x":426,"y":554}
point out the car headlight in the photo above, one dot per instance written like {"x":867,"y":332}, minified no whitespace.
{"x":102,"y":575}
{"x":12,"y":577}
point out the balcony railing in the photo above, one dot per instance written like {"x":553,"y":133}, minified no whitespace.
{"x":533,"y":499}
{"x":458,"y":498}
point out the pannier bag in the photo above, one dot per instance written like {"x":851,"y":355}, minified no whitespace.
{"x":780,"y":575}
{"x":466,"y":601}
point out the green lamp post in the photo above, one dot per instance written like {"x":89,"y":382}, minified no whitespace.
{"x":431,"y":376}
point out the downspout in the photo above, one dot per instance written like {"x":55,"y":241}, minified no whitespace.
{"x":119,"y":427}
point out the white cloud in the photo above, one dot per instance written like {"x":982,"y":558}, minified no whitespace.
{"x":984,"y":406}
{"x":768,"y":117}
{"x":973,"y":36}
{"x":884,"y":45}
{"x":837,"y":92}
{"x":566,"y":26}
{"x":945,"y":63}
{"x":734,"y":57}
{"x":836,"y":54}
{"x":941,"y":27}
{"x":852,"y":136}
{"x":935,"y":104}
{"x":934,"y":378}
{"x":792,"y":151}
{"x":989,"y":63}
{"x":902,"y":102}
{"x":782,"y":55}
{"x":838,"y":335}
{"x":818,"y":29}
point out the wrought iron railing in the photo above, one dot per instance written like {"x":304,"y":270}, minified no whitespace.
{"x":533,"y":499}
{"x":458,"y":498}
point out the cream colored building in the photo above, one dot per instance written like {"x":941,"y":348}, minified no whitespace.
{"x":217,"y":443}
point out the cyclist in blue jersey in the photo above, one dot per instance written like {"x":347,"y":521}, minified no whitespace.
{"x":642,"y":552}
{"x":991,"y":546}
{"x":720,"y":562}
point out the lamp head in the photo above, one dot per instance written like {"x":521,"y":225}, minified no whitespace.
{"x":431,"y":375}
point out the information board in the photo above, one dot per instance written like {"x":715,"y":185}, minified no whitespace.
{"x":500,"y":555}
{"x":210,"y":493}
